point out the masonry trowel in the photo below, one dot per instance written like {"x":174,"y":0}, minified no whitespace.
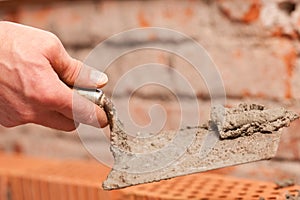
{"x":247,"y":133}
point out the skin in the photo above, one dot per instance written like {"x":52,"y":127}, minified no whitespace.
{"x":35,"y":71}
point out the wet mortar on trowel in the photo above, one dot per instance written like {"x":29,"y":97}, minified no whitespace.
{"x":247,"y":133}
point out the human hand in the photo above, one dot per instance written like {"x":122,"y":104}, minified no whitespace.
{"x":35,"y":71}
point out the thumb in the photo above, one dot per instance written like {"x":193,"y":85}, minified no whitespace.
{"x":78,"y":74}
{"x":74,"y":72}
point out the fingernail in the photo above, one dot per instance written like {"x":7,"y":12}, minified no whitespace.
{"x":98,"y":78}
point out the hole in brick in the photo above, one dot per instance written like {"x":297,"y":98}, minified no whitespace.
{"x":259,"y":191}
{"x":230,"y":187}
{"x":181,"y":189}
{"x":239,"y":198}
{"x":171,"y":188}
{"x":222,"y":196}
{"x":192,"y":181}
{"x":204,"y":199}
{"x":275,"y":193}
{"x":153,"y":189}
{"x":226,"y":191}
{"x":164,"y":192}
{"x":287,"y":6}
{"x":199,"y":187}
{"x":263,"y":186}
{"x":176,"y":194}
{"x":272,"y":198}
{"x":255,"y":195}
{"x":242,"y":193}
{"x":293,"y":190}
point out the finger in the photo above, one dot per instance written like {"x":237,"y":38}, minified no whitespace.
{"x":78,"y":108}
{"x":57,"y":121}
{"x":74,"y":72}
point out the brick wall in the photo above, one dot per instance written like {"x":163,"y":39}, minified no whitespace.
{"x":255,"y":45}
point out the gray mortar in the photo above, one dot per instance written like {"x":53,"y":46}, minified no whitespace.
{"x":284,"y":183}
{"x":248,"y":119}
{"x":175,"y":153}
{"x":118,"y":136}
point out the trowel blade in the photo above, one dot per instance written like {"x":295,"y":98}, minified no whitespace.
{"x":232,"y":136}
{"x":137,"y":168}
{"x":247,"y":133}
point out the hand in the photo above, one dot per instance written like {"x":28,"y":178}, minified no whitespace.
{"x":35,"y":70}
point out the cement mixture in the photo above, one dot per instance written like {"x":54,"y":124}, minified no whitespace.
{"x":233,"y":136}
{"x":247,"y":119}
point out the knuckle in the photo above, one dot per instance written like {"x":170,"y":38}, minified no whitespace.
{"x":25,"y":117}
{"x":53,"y":39}
{"x":46,"y":97}
{"x":73,"y":73}
{"x":7,"y":124}
{"x":53,"y":42}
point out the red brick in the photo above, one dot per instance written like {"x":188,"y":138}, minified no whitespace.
{"x":39,"y":141}
{"x":295,"y":80}
{"x":83,"y":24}
{"x":86,"y":22}
{"x":268,"y":171}
{"x":253,"y":73}
{"x":290,"y":142}
{"x":256,"y":63}
{"x":175,"y":116}
{"x":3,"y":187}
{"x":247,"y":12}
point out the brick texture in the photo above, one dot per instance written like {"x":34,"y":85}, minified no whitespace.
{"x":239,"y":37}
{"x":3,"y":187}
{"x":32,"y":178}
{"x":254,"y":44}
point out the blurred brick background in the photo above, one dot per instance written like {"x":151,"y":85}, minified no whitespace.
{"x":254,"y":43}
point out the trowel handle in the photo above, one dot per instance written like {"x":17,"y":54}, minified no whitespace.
{"x":98,"y":97}
{"x":95,"y":96}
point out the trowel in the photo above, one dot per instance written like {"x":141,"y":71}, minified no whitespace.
{"x":232,"y":136}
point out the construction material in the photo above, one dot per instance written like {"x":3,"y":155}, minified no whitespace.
{"x":247,"y":119}
{"x":289,"y":196}
{"x":192,"y":150}
{"x":284,"y":183}
{"x":40,"y":179}
{"x":209,"y":186}
{"x":3,"y":187}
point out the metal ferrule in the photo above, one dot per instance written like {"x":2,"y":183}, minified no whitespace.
{"x":96,"y":96}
